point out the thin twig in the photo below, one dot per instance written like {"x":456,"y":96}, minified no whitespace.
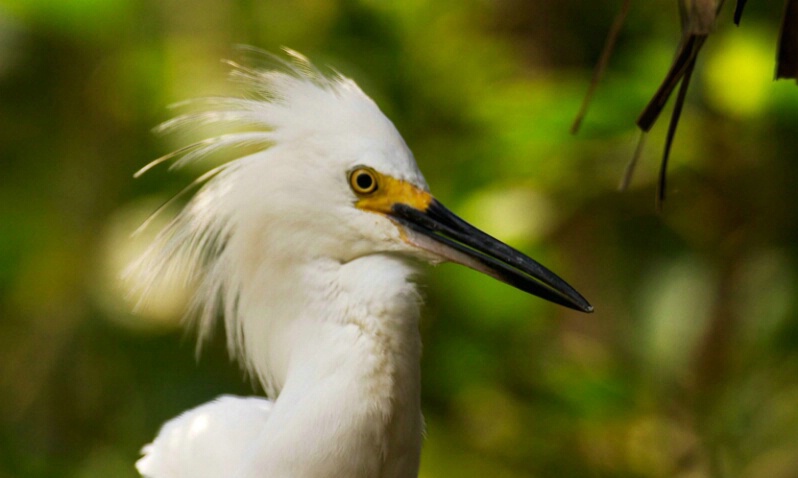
{"x":601,"y":65}
{"x":632,"y":164}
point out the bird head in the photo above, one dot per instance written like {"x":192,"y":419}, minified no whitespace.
{"x":330,"y":178}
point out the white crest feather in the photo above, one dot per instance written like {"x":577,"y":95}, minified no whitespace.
{"x":291,"y":103}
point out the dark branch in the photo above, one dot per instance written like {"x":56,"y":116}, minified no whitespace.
{"x":787,"y":57}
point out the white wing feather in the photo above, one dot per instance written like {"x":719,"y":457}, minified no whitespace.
{"x":207,"y":441}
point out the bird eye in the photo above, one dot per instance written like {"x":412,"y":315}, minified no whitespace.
{"x":363,"y":181}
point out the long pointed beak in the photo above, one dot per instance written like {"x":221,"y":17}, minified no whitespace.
{"x":440,"y":231}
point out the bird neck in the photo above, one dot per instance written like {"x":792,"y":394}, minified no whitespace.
{"x":343,"y":363}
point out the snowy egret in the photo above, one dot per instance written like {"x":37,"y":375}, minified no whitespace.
{"x":307,"y":248}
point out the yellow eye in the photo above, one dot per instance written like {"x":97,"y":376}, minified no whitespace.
{"x":363,"y":181}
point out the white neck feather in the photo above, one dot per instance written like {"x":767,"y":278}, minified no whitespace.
{"x":342,"y":363}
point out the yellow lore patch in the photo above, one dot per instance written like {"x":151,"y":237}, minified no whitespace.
{"x":391,"y":191}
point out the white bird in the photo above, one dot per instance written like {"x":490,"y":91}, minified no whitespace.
{"x":307,"y":248}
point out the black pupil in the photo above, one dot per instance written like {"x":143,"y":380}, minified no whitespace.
{"x":364,"y":181}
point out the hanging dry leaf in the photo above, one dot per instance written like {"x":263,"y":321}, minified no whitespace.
{"x":698,"y":19}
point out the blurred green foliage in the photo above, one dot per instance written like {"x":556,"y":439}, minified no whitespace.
{"x":689,"y":367}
